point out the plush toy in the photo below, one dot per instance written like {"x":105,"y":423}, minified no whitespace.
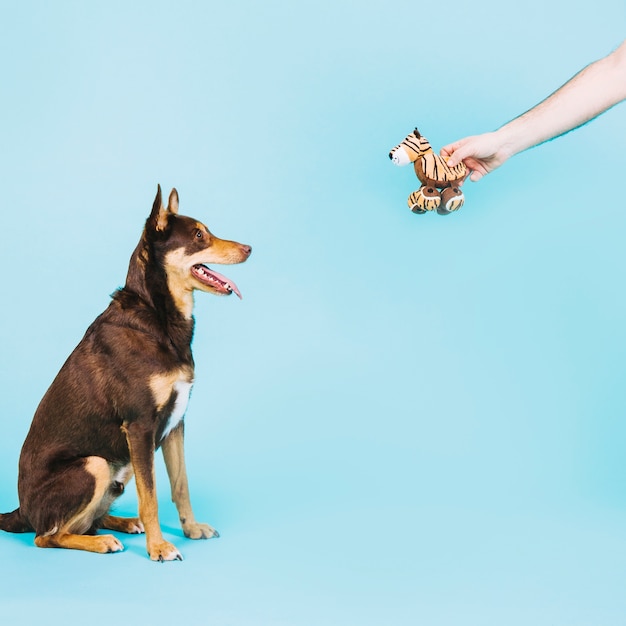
{"x":440,"y":183}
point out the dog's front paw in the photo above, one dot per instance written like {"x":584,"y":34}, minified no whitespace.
{"x":199,"y":531}
{"x":164,"y":551}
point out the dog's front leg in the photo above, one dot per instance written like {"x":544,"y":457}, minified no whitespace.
{"x":141,"y":446}
{"x":173,"y":453}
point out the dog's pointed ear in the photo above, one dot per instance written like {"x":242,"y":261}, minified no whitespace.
{"x":157,"y":204}
{"x":158,"y":217}
{"x":172,"y":203}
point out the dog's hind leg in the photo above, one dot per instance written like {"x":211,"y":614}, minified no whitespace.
{"x":128,"y":525}
{"x":173,"y":453}
{"x":70,"y":533}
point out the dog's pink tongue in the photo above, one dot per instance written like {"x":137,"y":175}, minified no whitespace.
{"x":228,"y":282}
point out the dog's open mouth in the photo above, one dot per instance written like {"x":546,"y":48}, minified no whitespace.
{"x":212,"y":279}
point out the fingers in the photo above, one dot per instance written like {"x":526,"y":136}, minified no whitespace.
{"x":476,"y":169}
{"x":480,"y":153}
{"x":473,"y":175}
{"x":447,"y":151}
{"x":460,"y":152}
{"x":454,"y":152}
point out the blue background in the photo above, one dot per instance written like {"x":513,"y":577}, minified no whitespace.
{"x":408,"y":419}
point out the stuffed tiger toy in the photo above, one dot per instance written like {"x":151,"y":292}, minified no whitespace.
{"x":440,"y":188}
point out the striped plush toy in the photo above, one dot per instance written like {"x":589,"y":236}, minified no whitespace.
{"x":440,"y":188}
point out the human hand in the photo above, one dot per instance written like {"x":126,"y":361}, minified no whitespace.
{"x":480,"y":153}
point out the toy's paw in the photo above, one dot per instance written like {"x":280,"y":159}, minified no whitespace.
{"x":424,"y":199}
{"x":452,"y":199}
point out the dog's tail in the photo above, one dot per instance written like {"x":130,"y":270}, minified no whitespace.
{"x":14,"y":522}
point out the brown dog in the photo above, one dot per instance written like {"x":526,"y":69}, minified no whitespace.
{"x":121,"y":395}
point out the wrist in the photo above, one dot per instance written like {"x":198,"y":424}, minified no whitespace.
{"x":510,"y":140}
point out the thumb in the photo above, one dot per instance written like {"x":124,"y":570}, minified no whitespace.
{"x":453,"y":153}
{"x":454,"y":160}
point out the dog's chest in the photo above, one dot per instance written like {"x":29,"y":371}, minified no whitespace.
{"x":171,"y":392}
{"x":182,"y":389}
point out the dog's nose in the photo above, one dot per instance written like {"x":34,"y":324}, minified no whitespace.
{"x":246,"y":249}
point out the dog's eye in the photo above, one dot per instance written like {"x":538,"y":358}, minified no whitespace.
{"x":199,"y":234}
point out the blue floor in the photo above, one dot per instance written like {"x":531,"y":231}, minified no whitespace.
{"x":407,"y":419}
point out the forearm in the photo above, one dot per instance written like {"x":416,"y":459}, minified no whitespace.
{"x":592,"y":91}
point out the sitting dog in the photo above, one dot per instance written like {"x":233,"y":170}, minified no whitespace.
{"x":121,"y":395}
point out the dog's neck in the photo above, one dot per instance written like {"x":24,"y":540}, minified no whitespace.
{"x":181,"y":296}
{"x":180,"y":333}
{"x":147,"y":288}
{"x":158,"y":316}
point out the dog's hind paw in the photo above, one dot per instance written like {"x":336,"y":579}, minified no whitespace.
{"x":136,"y":528}
{"x":199,"y":531}
{"x":130,"y":525}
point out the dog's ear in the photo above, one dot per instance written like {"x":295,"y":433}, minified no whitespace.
{"x":172,"y":203}
{"x":158,"y":217}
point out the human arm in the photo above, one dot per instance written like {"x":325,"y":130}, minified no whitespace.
{"x":596,"y":88}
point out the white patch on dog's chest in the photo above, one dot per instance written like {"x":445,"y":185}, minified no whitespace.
{"x":182,"y":389}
